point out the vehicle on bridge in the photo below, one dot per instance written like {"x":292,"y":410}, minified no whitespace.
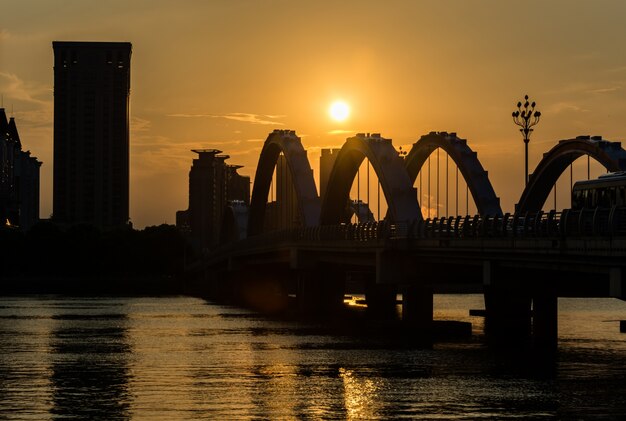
{"x":606,"y":191}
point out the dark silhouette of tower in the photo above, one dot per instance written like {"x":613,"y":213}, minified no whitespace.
{"x":19,"y":178}
{"x":91,"y":132}
{"x":213,"y":184}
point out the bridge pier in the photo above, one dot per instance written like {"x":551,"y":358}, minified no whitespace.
{"x":381,"y":300}
{"x":617,"y":286}
{"x":508,"y":315}
{"x":545,"y":319}
{"x":393,"y":268}
{"x":263,"y":289}
{"x":507,"y":305}
{"x":417,"y":306}
{"x":319,"y":292}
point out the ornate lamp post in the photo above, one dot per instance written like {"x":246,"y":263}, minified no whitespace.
{"x":526,"y":117}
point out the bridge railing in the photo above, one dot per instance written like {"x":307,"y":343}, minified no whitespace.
{"x":583,"y":222}
{"x":569,"y":223}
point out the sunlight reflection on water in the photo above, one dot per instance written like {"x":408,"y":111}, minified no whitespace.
{"x":184,"y":358}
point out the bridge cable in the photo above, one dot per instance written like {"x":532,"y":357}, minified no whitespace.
{"x":466,"y":198}
{"x":358,"y":194}
{"x":421,"y":193}
{"x":283,"y":200}
{"x":571,"y":182}
{"x":437,"y":205}
{"x":378,"y":198}
{"x":429,"y":185}
{"x":447,"y":159}
{"x":456,"y":202}
{"x":368,"y":189}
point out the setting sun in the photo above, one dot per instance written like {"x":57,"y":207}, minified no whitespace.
{"x":339,"y":111}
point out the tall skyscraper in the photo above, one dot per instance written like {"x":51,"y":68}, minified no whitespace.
{"x":91,"y":132}
{"x":213,"y":185}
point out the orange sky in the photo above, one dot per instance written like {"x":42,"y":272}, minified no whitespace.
{"x":224,"y":74}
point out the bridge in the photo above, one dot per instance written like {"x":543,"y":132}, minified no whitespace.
{"x":521,"y":262}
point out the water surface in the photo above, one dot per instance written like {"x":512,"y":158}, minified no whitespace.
{"x":185,"y":358}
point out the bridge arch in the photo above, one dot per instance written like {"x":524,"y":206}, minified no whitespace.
{"x":556,"y":160}
{"x":466,"y":160}
{"x":290,"y":145}
{"x":395,"y":183}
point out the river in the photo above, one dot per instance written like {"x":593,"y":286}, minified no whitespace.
{"x":173,"y":358}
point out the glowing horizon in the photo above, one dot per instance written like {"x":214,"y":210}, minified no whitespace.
{"x":223,"y":75}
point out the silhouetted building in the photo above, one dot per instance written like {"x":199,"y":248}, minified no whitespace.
{"x":212,"y":185}
{"x":182,"y":221}
{"x":19,"y":178}
{"x":91,"y":132}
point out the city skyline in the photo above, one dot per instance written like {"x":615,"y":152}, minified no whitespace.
{"x":222,"y":75}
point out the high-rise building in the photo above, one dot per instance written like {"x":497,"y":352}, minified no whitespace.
{"x":213,"y":184}
{"x":19,"y":178}
{"x":91,"y":133}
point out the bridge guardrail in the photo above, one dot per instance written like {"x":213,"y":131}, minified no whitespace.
{"x":582,"y":222}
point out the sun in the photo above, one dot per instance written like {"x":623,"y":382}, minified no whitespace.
{"x":339,"y":110}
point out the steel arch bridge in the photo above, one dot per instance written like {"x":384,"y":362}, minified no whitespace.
{"x":397,"y":176}
{"x":466,"y":160}
{"x":388,"y":166}
{"x":556,"y":160}
{"x":290,"y":145}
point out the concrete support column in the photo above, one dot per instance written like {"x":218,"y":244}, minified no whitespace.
{"x":508,"y":315}
{"x":222,"y":285}
{"x":333,"y":288}
{"x":307,"y":292}
{"x":617,"y":286}
{"x":545,"y":320}
{"x":319,"y":292}
{"x":381,"y":300}
{"x":263,"y":290}
{"x":417,"y":306}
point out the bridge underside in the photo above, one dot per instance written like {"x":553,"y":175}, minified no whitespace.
{"x":444,"y":265}
{"x":520,"y":278}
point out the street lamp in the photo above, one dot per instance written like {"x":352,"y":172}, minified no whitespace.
{"x":526,"y":117}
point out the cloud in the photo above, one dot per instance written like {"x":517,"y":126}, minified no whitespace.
{"x":605,"y":90}
{"x":14,"y":88}
{"x":339,"y":131}
{"x":561,"y":107}
{"x":138,"y":124}
{"x":619,"y":69}
{"x":243,"y":117}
